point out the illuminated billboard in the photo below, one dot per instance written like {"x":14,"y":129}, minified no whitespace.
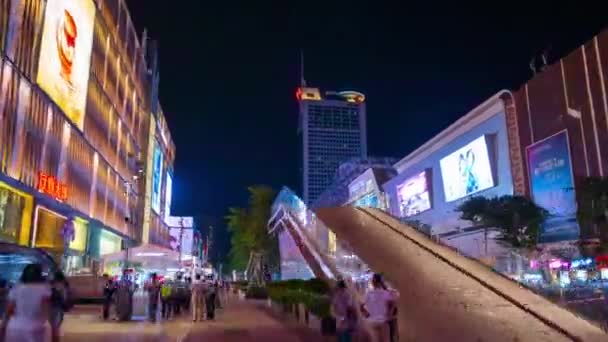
{"x":467,"y":170}
{"x":168,"y":195}
{"x":157,"y":178}
{"x":65,"y":55}
{"x":180,"y":221}
{"x":551,"y":184}
{"x":181,"y":240}
{"x":413,"y":195}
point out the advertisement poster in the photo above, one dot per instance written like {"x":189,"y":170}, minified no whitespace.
{"x":185,"y":243}
{"x":157,"y":178}
{"x":467,"y":170}
{"x":65,"y":55}
{"x":168,"y":195}
{"x":180,"y":221}
{"x":413,"y":195}
{"x":552,"y":184}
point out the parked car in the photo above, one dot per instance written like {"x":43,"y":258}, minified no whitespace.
{"x":13,"y":259}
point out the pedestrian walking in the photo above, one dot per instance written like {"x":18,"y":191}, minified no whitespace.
{"x":124,"y":298}
{"x":210,"y":301}
{"x":60,"y":298}
{"x":108,"y":293}
{"x":28,"y":312}
{"x":343,"y":309}
{"x":153,"y":289}
{"x":198,"y":299}
{"x":218,"y":295}
{"x":376,"y":308}
{"x":165,"y":298}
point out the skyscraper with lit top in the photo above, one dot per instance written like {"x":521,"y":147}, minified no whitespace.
{"x":333,"y":129}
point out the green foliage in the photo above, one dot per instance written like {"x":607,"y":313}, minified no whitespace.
{"x":517,"y":217}
{"x":314,"y":294}
{"x":592,"y":211}
{"x":256,"y":292}
{"x":249,"y":232}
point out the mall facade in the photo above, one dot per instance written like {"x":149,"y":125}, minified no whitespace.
{"x":540,"y":141}
{"x":85,"y":153}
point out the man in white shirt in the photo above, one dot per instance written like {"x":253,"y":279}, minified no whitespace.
{"x":377,"y":307}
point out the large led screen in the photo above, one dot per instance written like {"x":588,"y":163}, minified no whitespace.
{"x":467,"y":170}
{"x":551,"y":184}
{"x":157,"y":178}
{"x":168,"y":195}
{"x":413,"y":195}
{"x":65,"y":55}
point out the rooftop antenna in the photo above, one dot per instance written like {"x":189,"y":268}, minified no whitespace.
{"x":302,"y":80}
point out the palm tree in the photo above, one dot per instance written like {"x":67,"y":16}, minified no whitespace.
{"x":251,"y":246}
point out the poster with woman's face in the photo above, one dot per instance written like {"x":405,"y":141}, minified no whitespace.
{"x":467,"y":170}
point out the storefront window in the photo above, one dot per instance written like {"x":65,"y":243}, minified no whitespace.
{"x":48,"y":230}
{"x":15,"y":215}
{"x":109,"y":243}
{"x":12,"y":207}
{"x":81,"y":228}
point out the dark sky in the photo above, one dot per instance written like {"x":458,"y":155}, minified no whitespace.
{"x":229,"y":70}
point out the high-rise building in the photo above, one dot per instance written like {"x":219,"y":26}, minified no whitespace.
{"x":333,"y":128}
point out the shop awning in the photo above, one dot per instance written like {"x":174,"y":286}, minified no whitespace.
{"x":151,"y":257}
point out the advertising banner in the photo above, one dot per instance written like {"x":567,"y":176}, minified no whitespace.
{"x":467,"y":170}
{"x":157,"y":178}
{"x":65,"y":55}
{"x":168,"y":195}
{"x":552,"y":186}
{"x":413,"y":195}
{"x":181,"y":239}
{"x":180,"y":221}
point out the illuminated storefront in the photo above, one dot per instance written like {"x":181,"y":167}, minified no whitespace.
{"x":15,"y":215}
{"x":76,"y":98}
{"x":469,"y":158}
{"x":366,"y":190}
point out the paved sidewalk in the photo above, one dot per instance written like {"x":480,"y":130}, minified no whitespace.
{"x":239,"y":321}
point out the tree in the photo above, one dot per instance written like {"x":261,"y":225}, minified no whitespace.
{"x":248,"y":227}
{"x":592,"y":212}
{"x":518,"y":218}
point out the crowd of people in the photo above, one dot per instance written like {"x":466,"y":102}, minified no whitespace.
{"x":377,"y":312}
{"x":34,"y":307}
{"x":166,"y":298}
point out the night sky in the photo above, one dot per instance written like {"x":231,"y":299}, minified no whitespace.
{"x":229,"y":70}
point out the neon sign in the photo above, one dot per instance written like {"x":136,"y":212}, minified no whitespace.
{"x":52,"y":186}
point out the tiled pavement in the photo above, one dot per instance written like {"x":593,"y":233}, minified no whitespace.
{"x":239,"y":321}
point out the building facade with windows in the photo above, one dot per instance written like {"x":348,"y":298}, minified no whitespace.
{"x":333,"y":129}
{"x":76,"y":101}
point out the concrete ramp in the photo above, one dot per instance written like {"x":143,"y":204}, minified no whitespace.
{"x":448,"y":297}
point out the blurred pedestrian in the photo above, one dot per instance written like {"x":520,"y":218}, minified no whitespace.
{"x":124,"y":297}
{"x":210,"y":301}
{"x":165,"y":298}
{"x":343,"y":309}
{"x":376,"y":308}
{"x":60,"y":298}
{"x":108,"y":293}
{"x":3,"y":293}
{"x":198,"y":299}
{"x":153,"y":288}
{"x":29,"y":309}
